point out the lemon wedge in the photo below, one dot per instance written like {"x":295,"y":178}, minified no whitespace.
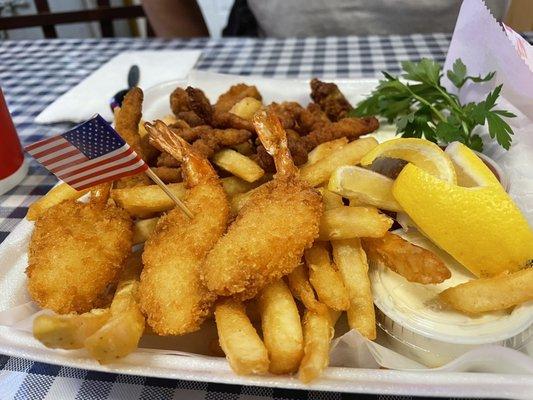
{"x":420,"y":152}
{"x":368,"y":187}
{"x":480,"y":227}
{"x":470,"y":169}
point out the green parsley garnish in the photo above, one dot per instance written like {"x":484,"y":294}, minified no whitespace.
{"x":422,"y":107}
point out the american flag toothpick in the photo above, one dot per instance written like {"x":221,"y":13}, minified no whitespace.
{"x":92,"y":153}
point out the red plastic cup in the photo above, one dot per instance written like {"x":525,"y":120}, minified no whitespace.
{"x":12,"y":166}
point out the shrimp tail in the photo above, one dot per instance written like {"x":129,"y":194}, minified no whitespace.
{"x":274,"y":139}
{"x":195,"y":168}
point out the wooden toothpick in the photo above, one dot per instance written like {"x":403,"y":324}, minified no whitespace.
{"x":162,"y":185}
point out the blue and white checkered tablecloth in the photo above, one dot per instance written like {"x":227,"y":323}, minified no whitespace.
{"x":34,"y":73}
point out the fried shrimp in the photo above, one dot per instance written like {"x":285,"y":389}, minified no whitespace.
{"x":414,"y":263}
{"x":76,"y":254}
{"x":171,"y":295}
{"x":272,"y":230}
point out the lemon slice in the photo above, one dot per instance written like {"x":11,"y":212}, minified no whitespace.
{"x":367,"y":186}
{"x":420,"y":152}
{"x":470,"y":169}
{"x":480,"y":227}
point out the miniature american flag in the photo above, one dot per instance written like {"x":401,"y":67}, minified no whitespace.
{"x":87,"y":155}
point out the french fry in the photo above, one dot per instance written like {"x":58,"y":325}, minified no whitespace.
{"x":282,"y":328}
{"x":238,"y":338}
{"x":301,"y":289}
{"x":145,"y":201}
{"x":325,"y":279}
{"x":325,"y":149}
{"x":318,"y":330}
{"x":364,"y":185}
{"x":491,"y":294}
{"x":121,"y":333}
{"x":350,"y":222}
{"x":330,"y":200}
{"x":143,"y":228}
{"x":246,"y":108}
{"x":350,"y":154}
{"x":54,"y":196}
{"x":351,"y":260}
{"x":238,"y":201}
{"x":238,"y":164}
{"x":168,"y":174}
{"x":68,"y":331}
{"x":233,"y":185}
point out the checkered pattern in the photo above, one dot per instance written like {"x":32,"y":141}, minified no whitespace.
{"x":34,"y":73}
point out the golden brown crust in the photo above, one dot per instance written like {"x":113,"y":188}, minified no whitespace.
{"x":128,"y":117}
{"x":179,"y":101}
{"x":76,"y":252}
{"x":266,"y":241}
{"x":296,"y":148}
{"x":171,"y":294}
{"x":413,"y":262}
{"x":350,"y":128}
{"x":235,"y":94}
{"x":330,"y":99}
{"x":199,"y":103}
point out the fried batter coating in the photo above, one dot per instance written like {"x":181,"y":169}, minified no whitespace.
{"x":76,"y":253}
{"x":216,"y":139}
{"x":171,"y":295}
{"x":227,"y":120}
{"x":200,"y":104}
{"x":179,"y":101}
{"x":127,"y":120}
{"x":287,"y":113}
{"x":350,"y":128}
{"x":166,"y":160}
{"x":311,"y":118}
{"x":272,"y":230}
{"x":128,"y":117}
{"x":190,"y":118}
{"x":413,"y":262}
{"x":330,"y":99}
{"x":235,"y":94}
{"x":296,"y":148}
{"x":168,"y":174}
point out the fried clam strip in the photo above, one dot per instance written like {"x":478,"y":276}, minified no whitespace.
{"x":76,"y":254}
{"x":127,"y":120}
{"x":172,"y":297}
{"x":413,"y":262}
{"x":271,"y":232}
{"x":330,"y":99}
{"x":491,"y":294}
{"x":206,"y":141}
{"x":287,"y":112}
{"x":235,"y":94}
{"x":350,"y":128}
{"x":311,"y":118}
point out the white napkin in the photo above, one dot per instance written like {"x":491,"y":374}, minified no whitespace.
{"x":92,"y":95}
{"x":484,"y":46}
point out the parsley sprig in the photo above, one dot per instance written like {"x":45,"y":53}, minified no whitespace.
{"x":421,"y":107}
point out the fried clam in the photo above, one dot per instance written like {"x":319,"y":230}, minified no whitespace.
{"x":271,"y":231}
{"x":172,"y":296}
{"x":76,"y":253}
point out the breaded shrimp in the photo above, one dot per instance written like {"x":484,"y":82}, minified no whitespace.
{"x":272,"y":230}
{"x":171,"y":295}
{"x":76,"y":254}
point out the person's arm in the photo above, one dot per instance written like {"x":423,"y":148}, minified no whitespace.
{"x":175,"y":18}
